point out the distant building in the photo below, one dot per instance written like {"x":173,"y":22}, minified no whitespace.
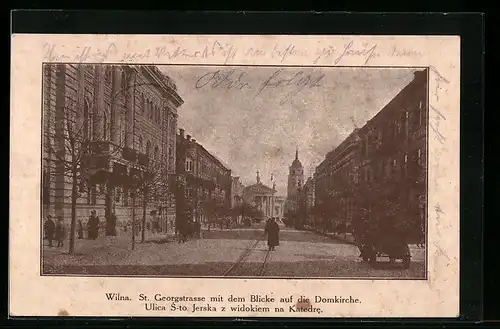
{"x":236,"y":192}
{"x":121,"y":122}
{"x":335,"y":181}
{"x":306,"y":204}
{"x":295,"y":183}
{"x":205,"y":181}
{"x":260,"y":196}
{"x":279,"y":206}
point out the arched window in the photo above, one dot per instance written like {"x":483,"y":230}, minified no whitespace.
{"x":150,"y":110}
{"x":156,"y":153}
{"x":86,"y":114}
{"x":105,"y":126}
{"x":148,"y":148}
{"x":108,"y":74}
{"x":124,"y":80}
{"x":143,"y":103}
{"x":122,"y":130}
{"x":140,"y":144}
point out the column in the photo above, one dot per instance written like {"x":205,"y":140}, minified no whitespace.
{"x":98,"y":106}
{"x":272,"y":206}
{"x":129,"y":96}
{"x":115,"y":108}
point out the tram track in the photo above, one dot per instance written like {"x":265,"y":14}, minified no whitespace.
{"x":238,"y":267}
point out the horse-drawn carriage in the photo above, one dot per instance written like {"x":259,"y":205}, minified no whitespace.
{"x":391,"y":247}
{"x":383,"y":235}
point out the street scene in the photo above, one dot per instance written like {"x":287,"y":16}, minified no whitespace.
{"x":218,"y":253}
{"x":244,"y":171}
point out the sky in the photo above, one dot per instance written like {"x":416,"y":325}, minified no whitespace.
{"x":254,"y":118}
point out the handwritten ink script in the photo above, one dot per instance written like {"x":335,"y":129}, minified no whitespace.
{"x":217,"y":50}
{"x":80,"y":54}
{"x":436,"y":116}
{"x":290,"y":84}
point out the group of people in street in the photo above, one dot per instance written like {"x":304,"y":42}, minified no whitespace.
{"x":54,"y":231}
{"x":57,"y":230}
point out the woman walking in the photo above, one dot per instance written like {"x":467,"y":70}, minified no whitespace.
{"x":272,"y":230}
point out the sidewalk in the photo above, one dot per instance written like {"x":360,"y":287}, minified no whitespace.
{"x":101,"y":249}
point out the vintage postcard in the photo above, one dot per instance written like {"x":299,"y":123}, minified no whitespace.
{"x":234,"y":176}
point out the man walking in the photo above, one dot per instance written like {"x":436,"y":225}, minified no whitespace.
{"x":49,"y":228}
{"x":93,"y":226}
{"x":60,"y":232}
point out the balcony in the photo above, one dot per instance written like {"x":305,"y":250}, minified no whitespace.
{"x":100,"y":147}
{"x":95,"y":162}
{"x":142,"y":159}
{"x":129,"y":154}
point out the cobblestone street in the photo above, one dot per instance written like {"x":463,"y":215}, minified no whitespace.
{"x":300,"y":254}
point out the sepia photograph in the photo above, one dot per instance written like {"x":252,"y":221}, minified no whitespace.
{"x":234,"y":171}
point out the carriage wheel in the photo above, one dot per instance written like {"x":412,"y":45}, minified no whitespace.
{"x":406,"y":262}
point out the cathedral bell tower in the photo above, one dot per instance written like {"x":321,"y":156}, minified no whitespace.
{"x":295,"y":182}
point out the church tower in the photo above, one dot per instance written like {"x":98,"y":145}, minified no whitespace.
{"x":295,"y":182}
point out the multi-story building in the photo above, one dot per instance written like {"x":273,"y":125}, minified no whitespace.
{"x":236,"y":191}
{"x":393,"y":153}
{"x":335,"y":181}
{"x":205,"y":179}
{"x":382,"y":162}
{"x":107,"y":128}
{"x":306,"y":205}
{"x":295,"y":183}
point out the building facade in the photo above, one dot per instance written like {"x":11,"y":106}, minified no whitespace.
{"x":295,"y":183}
{"x":261,"y":196}
{"x":206,"y":182}
{"x":236,"y":192}
{"x":279,"y":206}
{"x":383,"y":162}
{"x":394,"y":155}
{"x":335,"y":183}
{"x":107,"y":127}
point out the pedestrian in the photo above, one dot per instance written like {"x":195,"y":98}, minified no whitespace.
{"x":111,"y":224}
{"x":80,"y":229}
{"x":272,"y":230}
{"x":48,"y":228}
{"x":198,"y":230}
{"x":93,"y":226}
{"x":60,"y":232}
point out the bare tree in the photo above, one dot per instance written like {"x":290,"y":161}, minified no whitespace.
{"x":152,"y":185}
{"x":74,"y":153}
{"x":81,"y":155}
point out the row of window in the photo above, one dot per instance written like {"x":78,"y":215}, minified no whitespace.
{"x":396,"y":129}
{"x":149,"y":109}
{"x":204,"y":169}
{"x":347,"y":175}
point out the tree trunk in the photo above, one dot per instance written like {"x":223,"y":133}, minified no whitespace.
{"x":74,"y":187}
{"x":110,"y":225}
{"x":133,"y":221}
{"x":144,"y":204}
